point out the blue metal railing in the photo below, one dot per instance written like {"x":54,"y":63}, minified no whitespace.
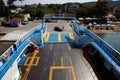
{"x":105,"y":46}
{"x":109,"y":50}
{"x":21,"y":46}
{"x":12,"y":58}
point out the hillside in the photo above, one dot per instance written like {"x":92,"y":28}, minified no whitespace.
{"x":112,"y":3}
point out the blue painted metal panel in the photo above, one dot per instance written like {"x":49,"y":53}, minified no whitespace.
{"x":110,"y":54}
{"x":64,"y":37}
{"x":53,"y":38}
{"x":106,"y":56}
{"x":22,"y":61}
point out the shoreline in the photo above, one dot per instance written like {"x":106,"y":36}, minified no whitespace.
{"x":116,"y":30}
{"x":105,"y":31}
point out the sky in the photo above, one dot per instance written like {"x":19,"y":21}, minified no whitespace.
{"x":50,"y":1}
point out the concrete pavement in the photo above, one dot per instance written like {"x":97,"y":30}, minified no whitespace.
{"x":15,"y":33}
{"x":27,"y":27}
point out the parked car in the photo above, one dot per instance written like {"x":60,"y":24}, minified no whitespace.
{"x":50,"y":21}
{"x":58,"y":29}
{"x":14,"y":24}
{"x":24,"y":22}
{"x":31,"y":19}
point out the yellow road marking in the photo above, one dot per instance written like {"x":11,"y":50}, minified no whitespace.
{"x":73,"y":73}
{"x":25,"y":76}
{"x":34,"y":55}
{"x":70,"y":61}
{"x":37,"y":60}
{"x":69,"y":58}
{"x":51,"y":73}
{"x":61,"y":67}
{"x":26,"y":73}
{"x":69,"y":48}
{"x":28,"y":58}
{"x":71,"y":36}
{"x":30,"y":64}
{"x":33,"y":64}
{"x":47,"y":36}
{"x":28,"y":68}
{"x":59,"y":37}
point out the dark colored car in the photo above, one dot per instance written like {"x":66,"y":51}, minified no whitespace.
{"x":50,"y":21}
{"x":58,"y":29}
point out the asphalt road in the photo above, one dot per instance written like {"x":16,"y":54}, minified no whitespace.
{"x":56,"y":62}
{"x":26,"y":27}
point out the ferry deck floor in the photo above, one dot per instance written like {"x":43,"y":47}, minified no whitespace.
{"x":56,"y":62}
{"x":58,"y":59}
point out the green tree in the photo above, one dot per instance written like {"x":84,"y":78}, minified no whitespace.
{"x":39,"y":5}
{"x":28,"y":9}
{"x":86,"y":11}
{"x":35,"y":12}
{"x":117,"y":12}
{"x":71,"y":12}
{"x":15,"y":15}
{"x":39,"y":14}
{"x":55,"y":7}
{"x":3,"y":9}
{"x":102,"y":8}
